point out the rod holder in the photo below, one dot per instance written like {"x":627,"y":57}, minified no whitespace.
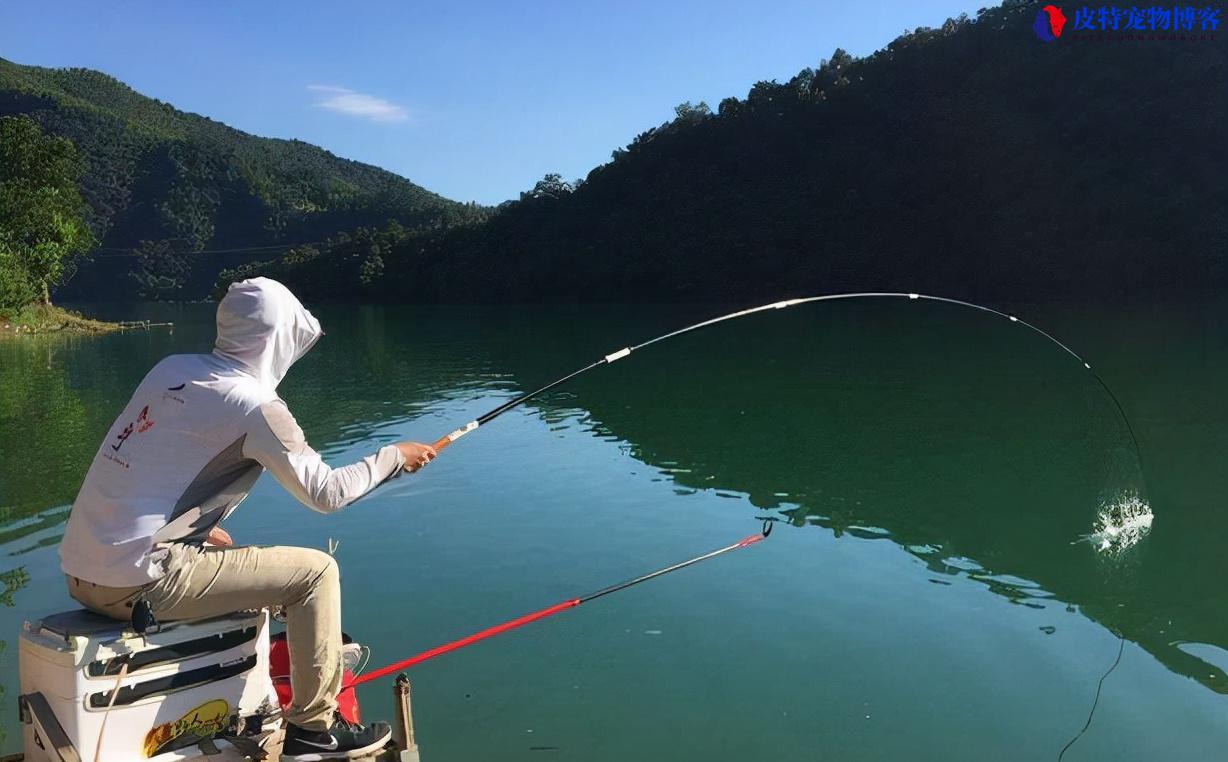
{"x":403,"y":727}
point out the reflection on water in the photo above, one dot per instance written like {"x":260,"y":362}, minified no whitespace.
{"x":981,"y":452}
{"x":959,"y":437}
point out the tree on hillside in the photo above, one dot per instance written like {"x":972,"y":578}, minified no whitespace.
{"x":729,"y":107}
{"x":42,"y":215}
{"x":551,"y":186}
{"x":935,"y":163}
{"x":691,"y":113}
{"x":154,"y":173}
{"x":161,"y":267}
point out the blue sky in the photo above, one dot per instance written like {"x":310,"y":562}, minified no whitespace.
{"x":475,"y":101}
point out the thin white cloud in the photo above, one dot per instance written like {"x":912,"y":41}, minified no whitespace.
{"x":351,"y":103}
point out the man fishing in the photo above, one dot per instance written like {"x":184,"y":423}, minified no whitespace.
{"x":144,"y":538}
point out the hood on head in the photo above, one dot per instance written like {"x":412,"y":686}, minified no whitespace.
{"x":264,"y":327}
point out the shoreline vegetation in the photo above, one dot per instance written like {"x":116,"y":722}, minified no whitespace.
{"x":944,"y":162}
{"x":970,"y":160}
{"x":172,"y":197}
{"x":43,"y":319}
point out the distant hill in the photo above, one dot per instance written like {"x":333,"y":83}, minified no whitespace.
{"x":185,"y":183}
{"x":972,"y":160}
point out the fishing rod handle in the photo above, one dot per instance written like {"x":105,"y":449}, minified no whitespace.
{"x":455,"y":435}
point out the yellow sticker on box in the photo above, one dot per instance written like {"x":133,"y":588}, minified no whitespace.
{"x":205,"y":720}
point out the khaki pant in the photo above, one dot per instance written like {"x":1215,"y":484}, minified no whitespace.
{"x":205,"y":582}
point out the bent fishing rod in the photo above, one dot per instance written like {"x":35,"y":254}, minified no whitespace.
{"x":570,"y":603}
{"x":446,"y":441}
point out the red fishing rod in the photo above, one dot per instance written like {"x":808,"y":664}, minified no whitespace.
{"x":570,"y":603}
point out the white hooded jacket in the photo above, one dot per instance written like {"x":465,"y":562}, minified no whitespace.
{"x":197,"y":433}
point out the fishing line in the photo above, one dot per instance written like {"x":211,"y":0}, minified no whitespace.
{"x":570,"y":603}
{"x":617,"y":355}
{"x":1121,"y":647}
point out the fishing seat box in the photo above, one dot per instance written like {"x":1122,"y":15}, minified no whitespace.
{"x":182,"y":683}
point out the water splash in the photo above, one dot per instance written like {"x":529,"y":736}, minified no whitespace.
{"x":1121,"y":524}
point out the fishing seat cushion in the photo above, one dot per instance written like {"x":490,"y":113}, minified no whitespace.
{"x":83,"y":622}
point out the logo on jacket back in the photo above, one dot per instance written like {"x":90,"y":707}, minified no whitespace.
{"x":142,"y":424}
{"x":1049,"y":22}
{"x":166,"y":395}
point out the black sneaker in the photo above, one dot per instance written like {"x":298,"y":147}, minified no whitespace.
{"x":344,"y":740}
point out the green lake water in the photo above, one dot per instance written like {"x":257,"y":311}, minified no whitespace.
{"x":939,"y":584}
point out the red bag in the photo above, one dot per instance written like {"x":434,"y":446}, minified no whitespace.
{"x":279,"y":670}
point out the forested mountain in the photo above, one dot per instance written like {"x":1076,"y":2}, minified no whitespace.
{"x":972,"y":160}
{"x":162,"y":184}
